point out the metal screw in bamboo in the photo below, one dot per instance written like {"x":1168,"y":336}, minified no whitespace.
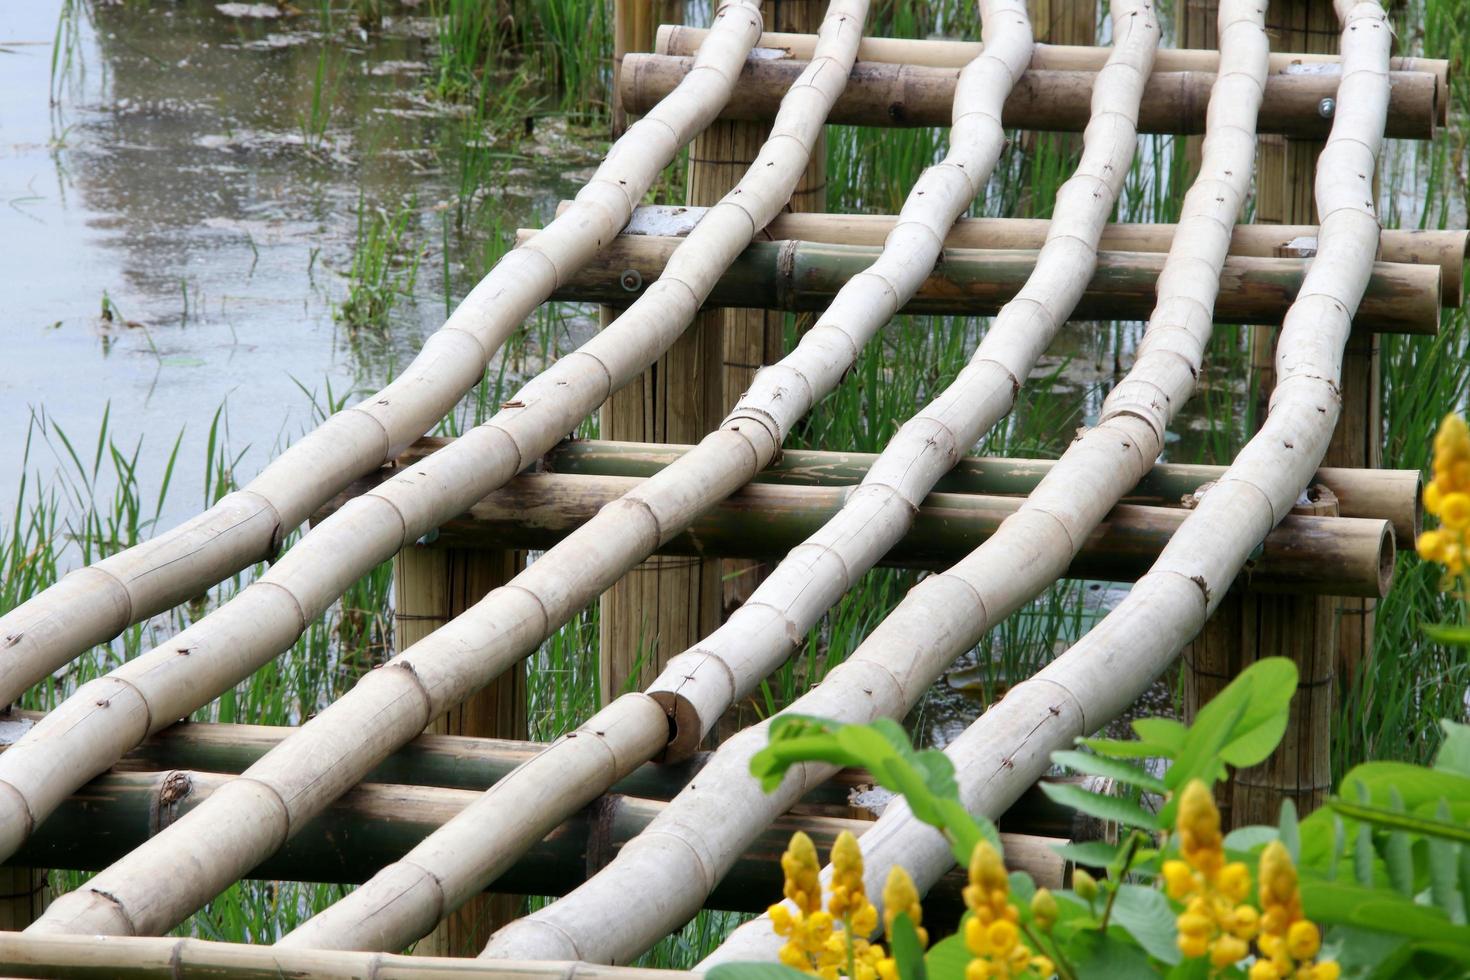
{"x":1105,"y":671}
{"x":108,"y":715}
{"x":667,"y":603}
{"x":472,"y":849}
{"x":431,"y":587}
{"x":93,"y":604}
{"x":680,"y":857}
{"x":257,"y":811}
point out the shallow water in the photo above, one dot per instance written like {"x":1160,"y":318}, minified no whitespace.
{"x":179,"y":173}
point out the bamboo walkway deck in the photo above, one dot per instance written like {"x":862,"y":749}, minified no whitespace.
{"x":611,"y":815}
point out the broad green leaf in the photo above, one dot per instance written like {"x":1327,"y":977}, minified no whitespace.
{"x":1257,"y":732}
{"x":1096,"y":954}
{"x":1096,"y":765}
{"x":1388,"y":819}
{"x":907,"y":952}
{"x":1122,"y":748}
{"x":1255,"y":744}
{"x":1091,"y":854}
{"x":1444,"y":872}
{"x":946,"y":959}
{"x":1168,"y":732}
{"x":1103,"y":807}
{"x":1147,"y":917}
{"x":1247,"y":839}
{"x":1200,"y":757}
{"x":1454,"y":754}
{"x":754,"y":971}
{"x":1384,"y":911}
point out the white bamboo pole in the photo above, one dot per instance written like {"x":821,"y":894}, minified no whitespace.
{"x":406,"y":899}
{"x":91,"y":605}
{"x":255,"y":813}
{"x":661,"y":877}
{"x":109,"y":715}
{"x":1106,"y":461}
{"x":1101,"y":675}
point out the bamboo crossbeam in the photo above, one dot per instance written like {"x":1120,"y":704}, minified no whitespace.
{"x":451,"y":864}
{"x":1304,"y":555}
{"x":148,"y":958}
{"x":375,"y":824}
{"x":677,"y":39}
{"x":1444,"y":248}
{"x":256,"y":812}
{"x":795,"y":275}
{"x":94,"y":604}
{"x":1390,"y":495}
{"x":661,"y":876}
{"x":1109,"y":667}
{"x":1044,"y":100}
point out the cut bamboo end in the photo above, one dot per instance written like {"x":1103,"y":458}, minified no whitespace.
{"x":1444,"y":248}
{"x":880,"y":94}
{"x":796,"y":275}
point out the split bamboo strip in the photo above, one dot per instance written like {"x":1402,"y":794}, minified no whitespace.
{"x":1390,"y":495}
{"x":376,"y":824}
{"x":1107,"y":669}
{"x":805,"y":276}
{"x":93,"y":604}
{"x":258,"y":811}
{"x":1444,"y":248}
{"x":1304,"y":555}
{"x":1045,"y":100}
{"x":660,"y":878}
{"x":132,"y":958}
{"x":934,"y":53}
{"x":456,"y":862}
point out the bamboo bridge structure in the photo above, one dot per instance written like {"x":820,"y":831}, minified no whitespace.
{"x":414,"y":783}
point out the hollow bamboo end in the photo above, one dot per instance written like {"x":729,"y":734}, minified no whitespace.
{"x":1387,"y":555}
{"x":685,"y":730}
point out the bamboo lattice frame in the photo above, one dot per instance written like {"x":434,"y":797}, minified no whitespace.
{"x":665,"y":872}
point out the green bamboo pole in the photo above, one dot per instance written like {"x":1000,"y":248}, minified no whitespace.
{"x":1044,"y":100}
{"x":796,"y":275}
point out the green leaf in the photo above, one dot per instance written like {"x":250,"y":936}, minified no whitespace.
{"x":1247,"y":839}
{"x":1096,"y":765}
{"x":1119,"y":748}
{"x":1091,"y":854}
{"x":946,"y":959}
{"x":1096,"y":954}
{"x":1145,"y":914}
{"x":1168,"y":732}
{"x":1289,"y":831}
{"x":907,"y":952}
{"x":1444,"y":872}
{"x":1454,"y":754}
{"x":1384,"y":911}
{"x":754,"y":971}
{"x":1272,"y":682}
{"x":1110,"y":808}
{"x":1458,"y":636}
{"x":1200,"y":758}
{"x":1388,"y":819}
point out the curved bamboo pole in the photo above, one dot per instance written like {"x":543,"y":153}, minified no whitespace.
{"x":253,"y":815}
{"x":92,"y":605}
{"x":1103,"y":464}
{"x":661,"y":876}
{"x":1108,"y":668}
{"x":109,"y":715}
{"x":405,"y":900}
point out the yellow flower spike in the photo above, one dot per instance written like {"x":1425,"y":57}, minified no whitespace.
{"x":901,"y":897}
{"x":799,"y":864}
{"x":1454,"y":511}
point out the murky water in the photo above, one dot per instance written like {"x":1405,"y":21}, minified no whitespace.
{"x":204,"y":173}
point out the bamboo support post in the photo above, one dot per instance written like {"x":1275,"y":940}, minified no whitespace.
{"x":665,"y":604}
{"x":375,"y":824}
{"x":1401,"y":298}
{"x":635,"y":28}
{"x":431,"y":587}
{"x":1044,"y":100}
{"x":1304,"y":556}
{"x":1446,"y":249}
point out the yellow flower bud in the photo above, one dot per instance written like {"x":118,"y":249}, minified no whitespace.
{"x":1430,"y":545}
{"x":1432,"y":498}
{"x":799,"y":864}
{"x":1192,"y":946}
{"x":1084,"y":884}
{"x":1327,"y":970}
{"x":901,"y":897}
{"x":1227,"y":951}
{"x":1454,"y":511}
{"x":1002,"y":936}
{"x":1303,"y":939}
{"x":1191,"y":924}
{"x":980,"y":970}
{"x":1246,"y":922}
{"x":1264,"y":970}
{"x":1043,"y":965}
{"x":1178,"y":879}
{"x":1044,"y":909}
{"x":1235,"y":881}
